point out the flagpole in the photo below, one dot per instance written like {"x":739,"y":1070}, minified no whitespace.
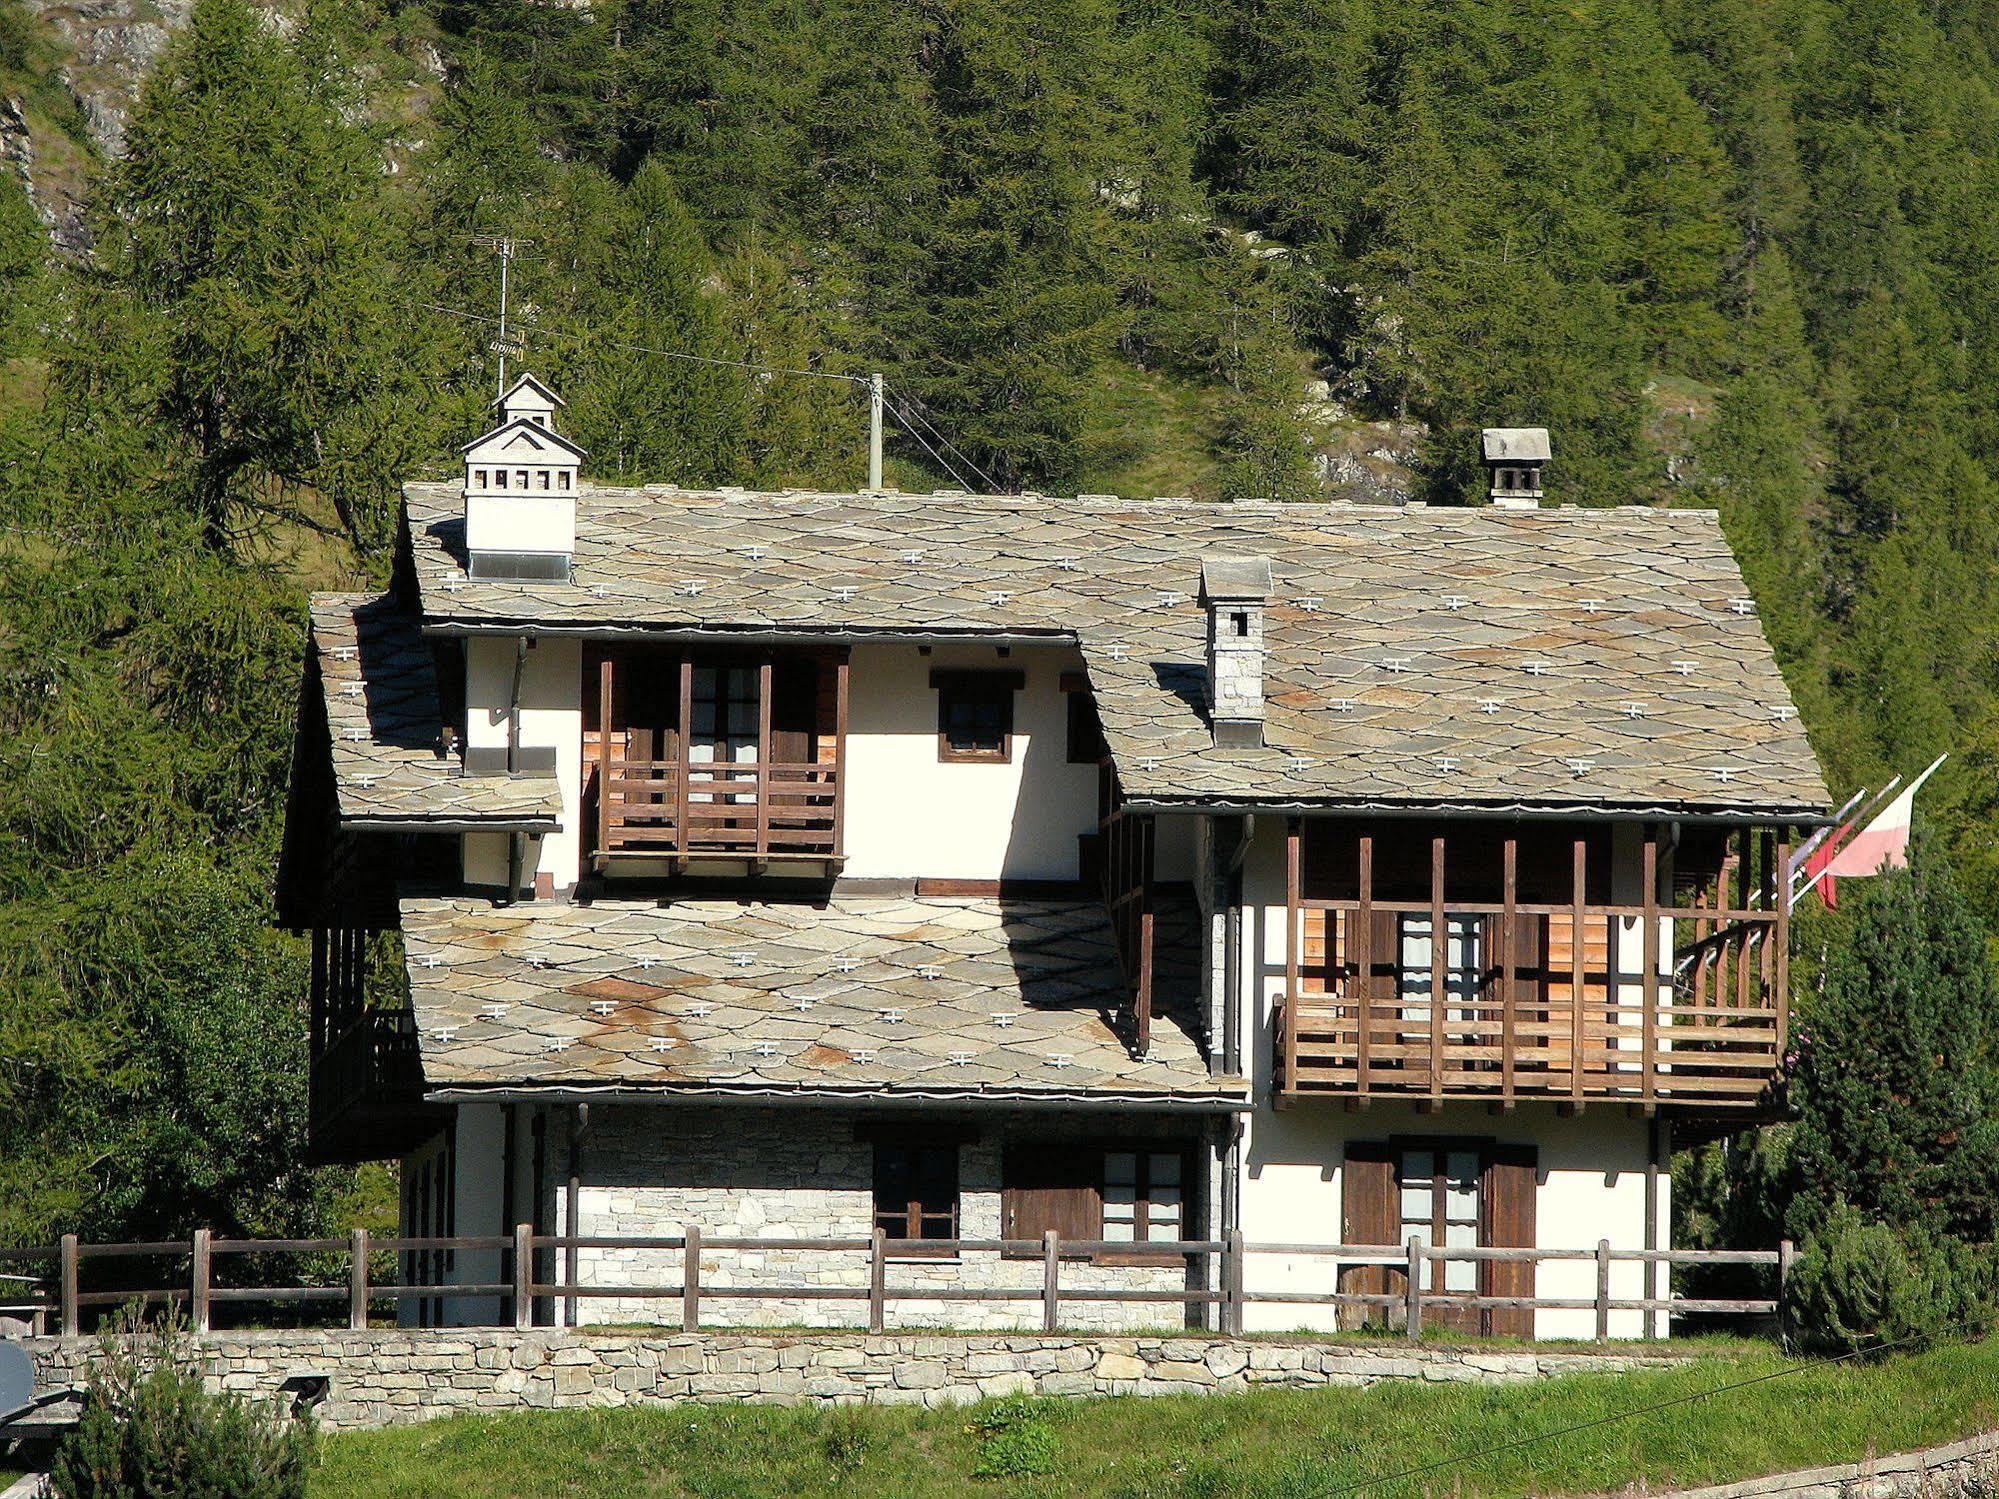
{"x":1804,"y":850}
{"x":1875,"y":802}
{"x":1874,"y":809}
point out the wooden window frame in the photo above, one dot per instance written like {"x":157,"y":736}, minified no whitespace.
{"x":955,"y":686}
{"x":915,"y":1209}
{"x":1483,"y":1149}
{"x":1100,"y":1150}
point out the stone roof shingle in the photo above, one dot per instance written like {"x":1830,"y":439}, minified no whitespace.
{"x":1546,"y":660}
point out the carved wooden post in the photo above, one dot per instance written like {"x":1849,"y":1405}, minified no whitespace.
{"x":197,"y":1306}
{"x":1051,"y":1279}
{"x":523,"y":1276}
{"x":1786,"y":1253}
{"x":357,"y":1280}
{"x":1603,"y":1290}
{"x":1413,"y":1293}
{"x":878,"y":1281}
{"x":690,"y":1280}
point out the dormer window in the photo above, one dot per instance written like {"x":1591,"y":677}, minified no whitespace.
{"x":480,"y":478}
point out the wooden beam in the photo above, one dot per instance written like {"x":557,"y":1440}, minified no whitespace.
{"x":1292,"y":879}
{"x":1650,"y":959}
{"x":606,"y":696}
{"x":840,"y":752}
{"x":1509,"y":992}
{"x":683,"y":752}
{"x":1577,"y":975}
{"x":1363,"y":945}
{"x":763,"y":782}
{"x":1782,"y":937}
{"x":1439,"y":967}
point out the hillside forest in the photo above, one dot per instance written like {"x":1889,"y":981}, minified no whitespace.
{"x":1736,"y":256}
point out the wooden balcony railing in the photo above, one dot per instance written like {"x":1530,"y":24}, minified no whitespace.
{"x":671,"y":809}
{"x":366,"y":1092}
{"x":1571,"y":1001}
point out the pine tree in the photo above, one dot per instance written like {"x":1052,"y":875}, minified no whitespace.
{"x":1896,"y":1084}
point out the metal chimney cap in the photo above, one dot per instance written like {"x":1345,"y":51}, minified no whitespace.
{"x":1244,"y":578}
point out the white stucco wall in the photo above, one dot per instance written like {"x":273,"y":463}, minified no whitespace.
{"x":1591,"y":1177}
{"x":551,"y":716}
{"x":911,"y":817}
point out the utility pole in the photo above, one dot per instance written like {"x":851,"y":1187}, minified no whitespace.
{"x":875,"y":431}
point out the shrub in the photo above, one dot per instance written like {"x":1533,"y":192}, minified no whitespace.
{"x":1016,"y":1439}
{"x":1860,"y":1283}
{"x":150,"y":1431}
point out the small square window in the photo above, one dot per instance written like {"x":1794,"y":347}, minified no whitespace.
{"x":916,"y":1191}
{"x":975,"y":716}
{"x":543,"y":473}
{"x":565,"y":478}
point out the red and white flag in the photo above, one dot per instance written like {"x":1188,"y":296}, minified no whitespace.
{"x":1882,"y":844}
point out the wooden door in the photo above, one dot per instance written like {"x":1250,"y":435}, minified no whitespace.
{"x":1368,"y":1216}
{"x":1511,"y":1180}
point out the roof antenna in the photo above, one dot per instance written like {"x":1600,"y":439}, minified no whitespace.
{"x":507,"y":248}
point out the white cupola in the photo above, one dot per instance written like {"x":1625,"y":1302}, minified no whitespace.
{"x":520,"y":489}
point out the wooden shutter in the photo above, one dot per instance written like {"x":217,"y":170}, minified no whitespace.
{"x":1508,"y":1201}
{"x":1368,"y":1215}
{"x":1051,"y":1186}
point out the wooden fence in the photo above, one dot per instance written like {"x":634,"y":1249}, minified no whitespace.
{"x":1216,"y":1277}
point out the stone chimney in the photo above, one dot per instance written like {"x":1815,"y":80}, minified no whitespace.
{"x":1514,"y":458}
{"x":520,"y":490}
{"x":1234,"y":591}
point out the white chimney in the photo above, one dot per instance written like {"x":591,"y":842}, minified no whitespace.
{"x":520,"y":489}
{"x":1514,"y":458}
{"x":1234,"y":591}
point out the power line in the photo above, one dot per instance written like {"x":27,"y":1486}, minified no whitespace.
{"x":579,"y":338}
{"x":909,"y":405}
{"x":1463,"y":1458}
{"x":942,"y":462}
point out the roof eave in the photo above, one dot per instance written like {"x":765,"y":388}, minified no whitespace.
{"x":1218,"y":1101}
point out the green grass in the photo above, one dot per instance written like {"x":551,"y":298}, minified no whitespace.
{"x":1283,"y":1444}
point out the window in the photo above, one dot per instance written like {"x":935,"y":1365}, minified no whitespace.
{"x":1121,"y":1194}
{"x":499,"y":478}
{"x":565,"y":479}
{"x":1239,"y":623}
{"x":725,"y":723}
{"x":1440,"y":1205}
{"x":1463,"y":966}
{"x":975,"y":715}
{"x":916,"y":1191}
{"x":1142,"y":1199}
{"x":521,"y":478}
{"x":543,"y":475}
{"x":479,"y":478}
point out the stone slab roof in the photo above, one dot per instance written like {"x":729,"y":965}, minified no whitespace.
{"x":379,"y":685}
{"x":860,"y":997}
{"x":1538,"y":660}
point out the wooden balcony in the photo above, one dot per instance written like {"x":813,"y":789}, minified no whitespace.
{"x":365,"y":1101}
{"x":1585,"y":1000}
{"x":696,"y":756}
{"x":664,"y":808}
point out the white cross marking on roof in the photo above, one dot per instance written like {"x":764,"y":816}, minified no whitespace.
{"x":1445,"y":763}
{"x":802,"y":1002}
{"x":1343,"y":705}
{"x":692,"y":587}
{"x":959,"y":1058}
{"x":700,"y":1009}
{"x":1455,"y":601}
{"x":864,"y":1053}
{"x":452,"y":584}
{"x":660,"y":1043}
{"x":429,"y":960}
{"x":754,"y":553}
{"x":1309,"y":604}
{"x":765,"y":1048}
{"x":353,"y":734}
{"x":561,"y":1043}
{"x":351,"y":689}
{"x":493,"y":1011}
{"x":600,"y":590}
{"x":1168,"y":599}
{"x":929,"y":971}
{"x":541,"y":960}
{"x":846,"y":965}
{"x":1742,"y":606}
{"x":1783,"y":713}
{"x":893,"y":1017}
{"x":1724,"y":773}
{"x":1580,"y":765}
{"x":603,"y":1007}
{"x":999,"y":597}
{"x":1634,"y":710}
{"x":913,"y":556}
{"x":1068,"y":564}
{"x":1395,"y":663}
{"x":844,"y":593}
{"x":1115,"y":652}
{"x":365,"y":781}
{"x":1592,"y":605}
{"x":343,"y":653}
{"x":647,"y":960}
{"x":1488,"y":705}
{"x":445,"y":1033}
{"x":1004,"y":1018}
{"x":1685,"y":668}
{"x":1536,"y":667}
{"x":1061,"y":1059}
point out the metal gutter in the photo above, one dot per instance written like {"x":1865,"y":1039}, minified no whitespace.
{"x":805,"y":1098}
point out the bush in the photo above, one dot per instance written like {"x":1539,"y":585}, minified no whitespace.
{"x":150,"y":1431}
{"x":1859,"y":1283}
{"x":1015,"y":1439}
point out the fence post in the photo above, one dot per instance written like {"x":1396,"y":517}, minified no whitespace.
{"x":1233,"y":1278}
{"x":197,"y":1301}
{"x":1051,"y":1280}
{"x":1414,"y":1291}
{"x":690,"y":1280}
{"x":1787,"y":1252}
{"x":523,"y":1276}
{"x":878,"y":1281}
{"x":72,"y":1321}
{"x":357,"y":1280}
{"x":1603,"y":1290}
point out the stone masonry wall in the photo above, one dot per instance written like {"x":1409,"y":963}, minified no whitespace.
{"x":806,"y":1174}
{"x":389,"y":1377}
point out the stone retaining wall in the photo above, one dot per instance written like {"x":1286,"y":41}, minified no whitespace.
{"x":384,"y":1377}
{"x":1961,"y":1468}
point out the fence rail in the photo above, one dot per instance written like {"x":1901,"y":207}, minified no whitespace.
{"x":1216,"y":1273}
